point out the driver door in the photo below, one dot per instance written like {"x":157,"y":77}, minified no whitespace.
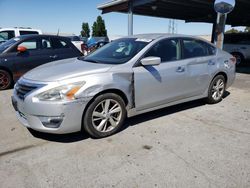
{"x":164,"y":83}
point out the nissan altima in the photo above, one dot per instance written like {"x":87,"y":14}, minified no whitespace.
{"x":126,"y":77}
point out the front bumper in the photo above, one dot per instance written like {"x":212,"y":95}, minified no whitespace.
{"x":66,"y":117}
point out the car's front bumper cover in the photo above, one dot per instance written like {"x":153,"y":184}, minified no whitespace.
{"x":50,"y":117}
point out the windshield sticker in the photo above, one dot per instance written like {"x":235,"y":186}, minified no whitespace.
{"x":143,"y":40}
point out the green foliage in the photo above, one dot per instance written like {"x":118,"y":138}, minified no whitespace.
{"x":85,"y":32}
{"x":232,"y":30}
{"x":99,"y":28}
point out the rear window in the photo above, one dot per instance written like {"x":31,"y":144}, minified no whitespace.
{"x":194,"y":48}
{"x":28,"y":32}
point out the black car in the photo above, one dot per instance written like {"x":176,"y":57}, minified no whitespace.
{"x":23,"y":53}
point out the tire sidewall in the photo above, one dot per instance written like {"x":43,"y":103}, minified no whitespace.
{"x":87,"y":121}
{"x":210,"y":99}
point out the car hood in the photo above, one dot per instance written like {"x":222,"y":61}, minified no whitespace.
{"x":65,"y":69}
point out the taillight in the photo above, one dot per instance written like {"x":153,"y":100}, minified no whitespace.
{"x":233,"y":60}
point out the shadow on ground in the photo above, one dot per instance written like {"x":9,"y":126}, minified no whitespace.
{"x":245,"y":68}
{"x":133,"y":121}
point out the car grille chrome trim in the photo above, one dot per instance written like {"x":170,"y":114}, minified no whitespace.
{"x":23,"y":88}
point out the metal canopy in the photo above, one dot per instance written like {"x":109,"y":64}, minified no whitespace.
{"x":188,"y":10}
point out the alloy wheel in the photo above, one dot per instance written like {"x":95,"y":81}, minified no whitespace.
{"x":4,"y":80}
{"x":106,"y":115}
{"x":218,"y":89}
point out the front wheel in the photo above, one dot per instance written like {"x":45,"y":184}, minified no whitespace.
{"x":105,"y":115}
{"x":5,"y":80}
{"x":216,"y":89}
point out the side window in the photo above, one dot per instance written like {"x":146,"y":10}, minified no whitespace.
{"x":30,"y":44}
{"x":194,"y":48}
{"x":211,"y":49}
{"x":28,"y":32}
{"x":167,"y":50}
{"x":46,"y":44}
{"x":6,"y":35}
{"x":58,"y":43}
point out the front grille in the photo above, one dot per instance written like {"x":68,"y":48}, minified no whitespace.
{"x":22,"y":89}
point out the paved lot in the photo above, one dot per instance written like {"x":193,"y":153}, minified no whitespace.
{"x":189,"y":145}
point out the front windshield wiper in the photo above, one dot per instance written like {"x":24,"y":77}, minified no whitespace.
{"x":91,"y":60}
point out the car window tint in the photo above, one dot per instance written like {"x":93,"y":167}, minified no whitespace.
{"x":28,"y":32}
{"x":29,"y":44}
{"x":167,"y":50}
{"x":46,"y":44}
{"x":117,"y":52}
{"x":211,"y":49}
{"x":6,"y":35}
{"x":59,"y":43}
{"x":194,"y":48}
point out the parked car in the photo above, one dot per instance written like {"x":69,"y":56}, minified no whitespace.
{"x":9,"y":33}
{"x":126,"y":77}
{"x":93,"y":44}
{"x":238,"y":44}
{"x":23,"y":53}
{"x":77,"y":42}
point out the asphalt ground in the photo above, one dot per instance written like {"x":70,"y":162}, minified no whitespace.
{"x":188,"y":145}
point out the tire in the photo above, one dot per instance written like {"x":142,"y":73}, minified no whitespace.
{"x":105,"y":115}
{"x":239,"y":58}
{"x":5,"y":80}
{"x":216,"y":90}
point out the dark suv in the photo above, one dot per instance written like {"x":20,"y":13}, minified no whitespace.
{"x":23,"y":53}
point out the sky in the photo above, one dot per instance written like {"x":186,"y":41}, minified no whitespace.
{"x":68,"y":15}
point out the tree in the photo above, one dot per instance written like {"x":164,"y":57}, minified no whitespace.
{"x":94,"y":30}
{"x":232,"y":30}
{"x":99,"y":28}
{"x":85,"y":32}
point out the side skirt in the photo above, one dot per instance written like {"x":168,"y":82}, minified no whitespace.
{"x":133,"y":112}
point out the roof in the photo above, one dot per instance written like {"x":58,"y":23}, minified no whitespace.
{"x":154,"y":36}
{"x":188,"y":10}
{"x":39,"y":35}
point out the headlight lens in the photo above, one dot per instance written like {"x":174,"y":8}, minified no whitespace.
{"x":61,"y":93}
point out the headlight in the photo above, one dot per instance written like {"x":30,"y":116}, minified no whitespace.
{"x":61,"y":93}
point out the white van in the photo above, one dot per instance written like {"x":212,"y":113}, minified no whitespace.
{"x":8,"y":33}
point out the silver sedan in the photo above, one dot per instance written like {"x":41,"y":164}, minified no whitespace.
{"x":126,"y":77}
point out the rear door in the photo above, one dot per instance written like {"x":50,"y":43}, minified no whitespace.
{"x":199,"y":60}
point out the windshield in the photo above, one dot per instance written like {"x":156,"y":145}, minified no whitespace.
{"x":117,"y":52}
{"x":7,"y":44}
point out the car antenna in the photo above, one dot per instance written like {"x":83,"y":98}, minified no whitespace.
{"x":58,"y":31}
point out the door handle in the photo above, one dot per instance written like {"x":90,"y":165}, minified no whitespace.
{"x":53,"y":56}
{"x":211,"y":62}
{"x":180,"y":69}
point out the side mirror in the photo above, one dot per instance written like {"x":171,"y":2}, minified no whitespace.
{"x":21,"y":49}
{"x":151,"y":61}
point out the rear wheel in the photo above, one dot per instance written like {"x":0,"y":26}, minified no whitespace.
{"x":216,"y":89}
{"x":105,"y":115}
{"x":5,"y":80}
{"x":239,"y":58}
